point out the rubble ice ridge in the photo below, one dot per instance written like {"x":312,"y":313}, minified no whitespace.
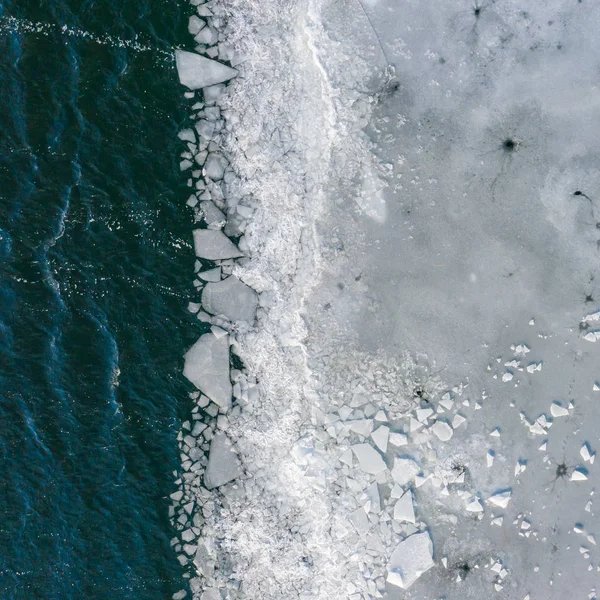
{"x":253,"y":507}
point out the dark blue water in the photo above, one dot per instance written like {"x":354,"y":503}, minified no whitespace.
{"x":95,"y":269}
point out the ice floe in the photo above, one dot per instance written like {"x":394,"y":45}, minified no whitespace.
{"x":197,"y":71}
{"x":369,"y":459}
{"x":231,"y":298}
{"x":207,"y":367}
{"x":214,"y":245}
{"x":223,"y":464}
{"x":410,"y":560}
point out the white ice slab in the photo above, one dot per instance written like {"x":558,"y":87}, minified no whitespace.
{"x":380,"y":436}
{"x":557,"y":410}
{"x":411,"y":558}
{"x":196,"y":71}
{"x":404,"y":509}
{"x":231,"y":298}
{"x":369,"y":459}
{"x":442,"y":430}
{"x":223,"y":464}
{"x":207,"y":367}
{"x":214,"y":245}
{"x":500,"y":499}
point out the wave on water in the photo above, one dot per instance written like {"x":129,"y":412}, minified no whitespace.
{"x":24,"y":26}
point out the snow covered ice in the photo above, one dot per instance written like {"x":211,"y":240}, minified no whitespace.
{"x":396,"y":220}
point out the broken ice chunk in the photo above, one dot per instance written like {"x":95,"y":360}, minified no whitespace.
{"x":592,"y":336}
{"x":196,"y":71}
{"x":231,"y":298}
{"x":591,"y":318}
{"x":346,"y":457}
{"x":222,"y":462}
{"x":380,"y":436}
{"x":507,"y":376}
{"x":501,"y":499}
{"x":578,"y":474}
{"x":446,"y":401}
{"x":458,"y":420}
{"x":489,"y":457}
{"x":411,"y":558}
{"x":397,"y":491}
{"x":361,"y":426}
{"x":207,"y":367}
{"x":404,"y":509}
{"x":442,"y":430}
{"x":381,"y":416}
{"x":187,"y":135}
{"x":557,"y":410}
{"x":214,"y":245}
{"x":369,"y":459}
{"x":586,"y":453}
{"x":215,"y":166}
{"x":404,"y":470}
{"x":213,"y":216}
{"x":211,"y":274}
{"x":415,"y":425}
{"x":424,"y":413}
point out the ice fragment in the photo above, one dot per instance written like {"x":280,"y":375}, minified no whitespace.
{"x":411,"y":558}
{"x":196,"y":71}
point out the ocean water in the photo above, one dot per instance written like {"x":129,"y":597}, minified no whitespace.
{"x":95,"y":267}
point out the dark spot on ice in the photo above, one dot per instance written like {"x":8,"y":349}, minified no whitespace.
{"x":589,"y":299}
{"x":464,"y":570}
{"x":509,"y":145}
{"x":561,"y":470}
{"x":458,"y":468}
{"x":442,"y":60}
{"x":340,"y":285}
{"x":477,"y":11}
{"x":358,"y":277}
{"x":577,"y":193}
{"x":327,"y":306}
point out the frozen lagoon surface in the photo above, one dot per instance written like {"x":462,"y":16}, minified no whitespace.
{"x":417,"y":414}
